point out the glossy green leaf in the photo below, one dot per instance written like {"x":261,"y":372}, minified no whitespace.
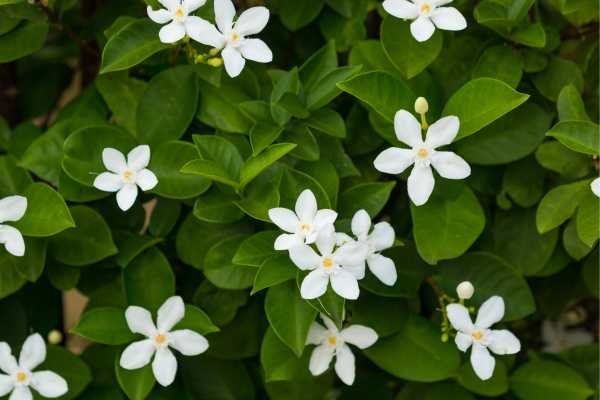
{"x":220,"y":269}
{"x":106,"y":325}
{"x":579,"y":136}
{"x":273,"y":271}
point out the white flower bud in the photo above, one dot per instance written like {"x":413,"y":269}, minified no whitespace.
{"x":55,"y":337}
{"x":465,"y":290}
{"x":421,"y":105}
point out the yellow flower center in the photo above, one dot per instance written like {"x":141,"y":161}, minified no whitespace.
{"x":160,"y":339}
{"x":425,"y":8}
{"x":422,"y":153}
{"x":129,"y":176}
{"x":234,"y":37}
{"x":21,"y":377}
{"x":477,"y":335}
{"x":327,"y":262}
{"x":179,"y":13}
{"x":332,"y":340}
{"x":304,"y":227}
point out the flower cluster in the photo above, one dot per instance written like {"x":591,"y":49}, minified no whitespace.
{"x":340,"y":259}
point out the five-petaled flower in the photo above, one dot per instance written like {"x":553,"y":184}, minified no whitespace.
{"x":126,"y":175}
{"x":423,"y":154}
{"x":427,"y":15}
{"x":12,"y":208}
{"x":332,"y":342}
{"x":231,"y":37}
{"x":382,"y":237}
{"x":177,"y":13}
{"x":305,"y":225}
{"x":480,"y":337}
{"x":20,"y":379}
{"x":159,"y":338}
{"x":595,"y":185}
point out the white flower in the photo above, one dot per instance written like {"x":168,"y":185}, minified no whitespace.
{"x":177,"y":13}
{"x":382,"y":237}
{"x":465,"y":290}
{"x":329,"y":266}
{"x":12,"y":208}
{"x":305,"y":225}
{"x":595,"y":185}
{"x":480,"y":336}
{"x":159,"y":339}
{"x":331,"y":342}
{"x":427,"y":15}
{"x":232,"y":37}
{"x":423,"y":154}
{"x":20,"y":378}
{"x":125,"y":176}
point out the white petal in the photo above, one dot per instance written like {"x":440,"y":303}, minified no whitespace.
{"x":450,"y":166}
{"x":490,"y":312}
{"x":6,"y":385}
{"x":137,"y":354}
{"x":113,"y":160}
{"x":285,"y":219}
{"x":314,"y":285}
{"x":326,"y":242}
{"x":448,"y":18}
{"x":383,"y":236}
{"x":316,"y":334}
{"x":21,"y":393}
{"x":256,"y":50}
{"x":357,"y":270}
{"x":224,"y":13}
{"x":252,"y":21}
{"x":401,"y":9}
{"x":352,"y":253}
{"x":286,"y":241}
{"x":408,"y":129}
{"x":170,"y":313}
{"x":188,"y":342}
{"x":171,"y":33}
{"x":345,"y":364}
{"x":420,"y":184}
{"x":139,"y":320}
{"x":304,"y":257}
{"x":324,"y":219}
{"x":459,"y":318}
{"x":595,"y":185}
{"x":8,"y":363}
{"x":383,"y":268}
{"x":146,"y":180}
{"x":170,"y":5}
{"x":164,"y":366}
{"x":361,"y":224}
{"x":345,"y":285}
{"x":12,"y":240}
{"x":442,"y":132}
{"x":320,"y":359}
{"x":306,"y":206}
{"x":139,"y":157}
{"x":126,"y":196}
{"x":394,"y":160}
{"x":204,"y":32}
{"x":108,"y":182}
{"x":422,"y":29}
{"x":482,"y":361}
{"x":463,"y":341}
{"x":234,"y":62}
{"x":360,"y":336}
{"x":160,"y":16}
{"x":12,"y":208}
{"x":193,"y":5}
{"x":503,"y":342}
{"x":33,"y":352}
{"x":331,"y":326}
{"x":342,"y":238}
{"x":49,"y":384}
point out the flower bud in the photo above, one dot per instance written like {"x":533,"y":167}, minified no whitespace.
{"x":215,"y":62}
{"x":421,"y":105}
{"x":55,"y":337}
{"x":465,"y":290}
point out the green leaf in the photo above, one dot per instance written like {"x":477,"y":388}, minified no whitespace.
{"x":540,"y":379}
{"x":317,"y":66}
{"x":408,"y":55}
{"x":289,"y":315}
{"x":168,"y":106}
{"x":371,"y":197}
{"x":23,"y":40}
{"x":296,"y":15}
{"x":196,"y":320}
{"x":326,"y":88}
{"x":220,"y":269}
{"x":374,"y":312}
{"x":13,"y":179}
{"x":149,"y":280}
{"x":32,"y":264}
{"x":70,"y":367}
{"x":87,"y":243}
{"x":590,"y":276}
{"x":279,"y":362}
{"x":10,"y":278}
{"x":558,"y":74}
{"x":579,"y":136}
{"x":211,"y":378}
{"x":523,"y":182}
{"x":257,"y":164}
{"x":559,"y":204}
{"x":260,"y":197}
{"x":419,"y":339}
{"x":294,"y":182}
{"x":574,"y":246}
{"x":256,"y":249}
{"x":262,"y":135}
{"x":495,"y":386}
{"x":224,"y":158}
{"x":273,"y":271}
{"x":556,"y":157}
{"x":131,"y":245}
{"x":219,"y":106}
{"x":480,"y":102}
{"x":588,"y":217}
{"x":209,"y":170}
{"x":307,"y":146}
{"x":327,"y":121}
{"x":500,"y":62}
{"x":131,"y":45}
{"x":217,"y":207}
{"x":570,"y":105}
{"x":122,"y":94}
{"x":106,"y":325}
{"x":46,"y":215}
{"x":138,"y":383}
{"x":453,"y":216}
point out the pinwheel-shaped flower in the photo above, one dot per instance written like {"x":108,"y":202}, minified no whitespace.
{"x":331,"y":342}
{"x":12,"y":208}
{"x":305,"y":225}
{"x":595,"y":185}
{"x":331,"y":265}
{"x":480,"y":337}
{"x":232,"y":38}
{"x":20,"y":379}
{"x":423,"y":155}
{"x":177,"y":13}
{"x":382,"y":237}
{"x":159,"y":339}
{"x":125,"y":176}
{"x":427,"y":15}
